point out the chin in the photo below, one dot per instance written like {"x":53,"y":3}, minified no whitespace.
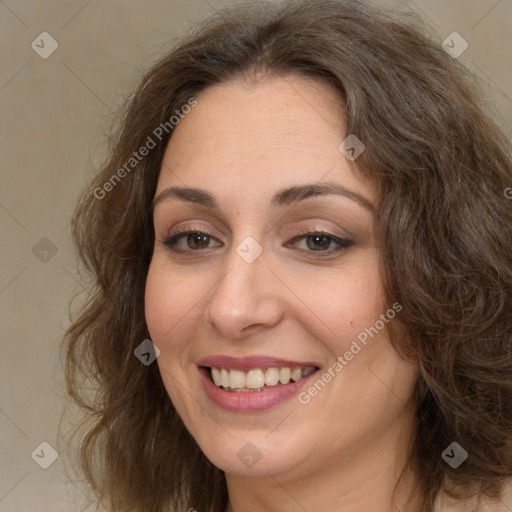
{"x":255,"y":453}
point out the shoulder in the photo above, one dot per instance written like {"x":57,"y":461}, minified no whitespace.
{"x":445,"y":504}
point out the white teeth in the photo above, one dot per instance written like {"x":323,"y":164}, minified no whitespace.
{"x":236,"y":379}
{"x":257,"y":379}
{"x":216,"y":376}
{"x":254,"y":379}
{"x":224,"y":378}
{"x":296,"y":374}
{"x":271,"y":376}
{"x":285,"y":375}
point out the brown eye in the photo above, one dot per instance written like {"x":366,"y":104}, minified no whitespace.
{"x":198,"y":240}
{"x":193,"y":241}
{"x":321,"y":243}
{"x":318,"y":242}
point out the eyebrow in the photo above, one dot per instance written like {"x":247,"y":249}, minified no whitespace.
{"x":283,"y":197}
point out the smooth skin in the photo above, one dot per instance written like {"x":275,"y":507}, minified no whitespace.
{"x":303,"y":298}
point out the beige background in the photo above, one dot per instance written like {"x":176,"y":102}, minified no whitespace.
{"x":55,"y":113}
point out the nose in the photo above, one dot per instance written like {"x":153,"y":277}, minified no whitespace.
{"x":246,"y":298}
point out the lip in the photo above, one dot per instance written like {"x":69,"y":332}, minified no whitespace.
{"x":255,"y":401}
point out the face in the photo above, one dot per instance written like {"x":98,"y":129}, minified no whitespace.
{"x":264,"y":294}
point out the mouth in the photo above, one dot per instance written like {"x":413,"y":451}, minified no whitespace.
{"x":258,"y":379}
{"x":254,"y":383}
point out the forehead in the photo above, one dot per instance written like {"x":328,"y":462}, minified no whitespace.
{"x":261,"y":136}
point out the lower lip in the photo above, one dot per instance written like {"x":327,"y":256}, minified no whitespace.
{"x":254,"y":401}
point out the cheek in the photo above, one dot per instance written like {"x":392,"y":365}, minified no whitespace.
{"x":169,"y":311}
{"x":158,"y":299}
{"x":347,"y":304}
{"x":172,"y":295}
{"x":169,"y":301}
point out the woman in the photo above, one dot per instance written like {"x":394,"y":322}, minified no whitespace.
{"x":302,"y":253}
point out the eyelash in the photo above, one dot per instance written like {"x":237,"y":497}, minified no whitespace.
{"x":343,"y":243}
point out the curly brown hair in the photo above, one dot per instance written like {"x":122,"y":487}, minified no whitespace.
{"x":440,"y":165}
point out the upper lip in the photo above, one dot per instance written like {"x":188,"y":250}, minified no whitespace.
{"x":251,"y":362}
